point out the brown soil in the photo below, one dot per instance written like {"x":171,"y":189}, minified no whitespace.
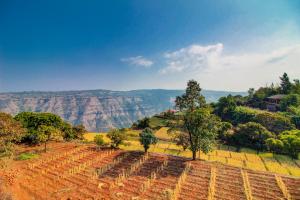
{"x":68,"y":171}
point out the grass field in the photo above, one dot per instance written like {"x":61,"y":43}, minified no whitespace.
{"x":247,"y":158}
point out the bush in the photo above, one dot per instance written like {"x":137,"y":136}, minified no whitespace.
{"x":11,"y":131}
{"x":98,"y":139}
{"x":252,"y":135}
{"x":291,"y":142}
{"x":117,"y":137}
{"x":274,"y":145}
{"x":289,"y":100}
{"x":244,"y":114}
{"x":274,"y":122}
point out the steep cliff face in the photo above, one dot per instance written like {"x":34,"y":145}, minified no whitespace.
{"x":98,"y":110}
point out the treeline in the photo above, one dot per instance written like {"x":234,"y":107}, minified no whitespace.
{"x":246,"y":123}
{"x":240,"y":121}
{"x":35,"y":128}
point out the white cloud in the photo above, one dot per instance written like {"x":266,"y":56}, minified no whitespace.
{"x":138,"y":61}
{"x":192,"y":57}
{"x":216,"y":70}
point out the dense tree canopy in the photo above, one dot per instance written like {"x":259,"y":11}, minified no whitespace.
{"x":291,"y":142}
{"x":252,"y":135}
{"x":33,"y":122}
{"x":225,"y":107}
{"x":11,"y":131}
{"x":290,"y":100}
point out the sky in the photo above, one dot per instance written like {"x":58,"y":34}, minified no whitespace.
{"x":227,"y":45}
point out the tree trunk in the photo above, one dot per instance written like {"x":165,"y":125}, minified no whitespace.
{"x":199,"y":154}
{"x":45,"y":147}
{"x":194,"y":155}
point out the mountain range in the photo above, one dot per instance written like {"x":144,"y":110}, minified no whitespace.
{"x":98,"y":110}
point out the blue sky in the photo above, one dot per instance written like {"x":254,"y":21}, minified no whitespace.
{"x":123,"y":45}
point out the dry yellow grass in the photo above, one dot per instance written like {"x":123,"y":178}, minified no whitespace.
{"x":256,"y":165}
{"x":162,"y":134}
{"x":262,"y":162}
{"x":236,"y":163}
{"x":90,"y":137}
{"x":237,"y":156}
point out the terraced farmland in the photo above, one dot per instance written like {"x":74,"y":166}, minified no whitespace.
{"x":85,"y":172}
{"x":281,"y":164}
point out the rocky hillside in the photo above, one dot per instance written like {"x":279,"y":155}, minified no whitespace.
{"x":98,"y":110}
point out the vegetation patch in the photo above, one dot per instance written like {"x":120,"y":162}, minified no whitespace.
{"x":27,"y":156}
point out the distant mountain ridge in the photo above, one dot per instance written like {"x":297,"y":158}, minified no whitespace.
{"x":98,"y":110}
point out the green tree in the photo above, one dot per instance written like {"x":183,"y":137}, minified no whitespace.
{"x":11,"y":131}
{"x":143,"y":123}
{"x":117,"y":137}
{"x":257,"y":100}
{"x":290,"y":100}
{"x":296,"y":87}
{"x":202,"y":127}
{"x":251,"y":92}
{"x":224,"y":131}
{"x":98,"y":139}
{"x":274,"y":145}
{"x":291,"y":142}
{"x":181,"y":139}
{"x":147,"y":138}
{"x":32,"y":121}
{"x":67,"y":130}
{"x":225,"y":108}
{"x":274,"y":122}
{"x":48,"y":133}
{"x":192,"y":99}
{"x":252,"y":135}
{"x":79,"y":130}
{"x":285,"y":84}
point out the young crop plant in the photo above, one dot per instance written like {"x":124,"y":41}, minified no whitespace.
{"x":180,"y":181}
{"x":246,"y":184}
{"x":103,"y":169}
{"x":212,"y":183}
{"x":147,"y":184}
{"x":282,"y":187}
{"x":133,"y":168}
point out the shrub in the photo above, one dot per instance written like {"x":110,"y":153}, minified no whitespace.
{"x":243,"y":115}
{"x":143,"y":123}
{"x":11,"y":131}
{"x":252,"y":135}
{"x":274,"y":145}
{"x":98,"y":139}
{"x":289,"y":100}
{"x":274,"y":122}
{"x":291,"y":142}
{"x":79,"y":131}
{"x":117,"y":137}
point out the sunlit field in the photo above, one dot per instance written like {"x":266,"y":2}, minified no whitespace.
{"x":247,"y":158}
